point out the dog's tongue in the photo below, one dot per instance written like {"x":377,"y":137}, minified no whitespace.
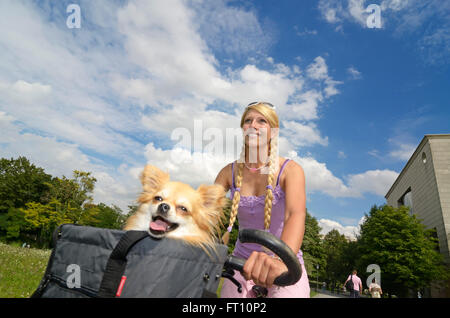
{"x":159,"y":225}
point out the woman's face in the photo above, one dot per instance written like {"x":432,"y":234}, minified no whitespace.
{"x":256,"y":129}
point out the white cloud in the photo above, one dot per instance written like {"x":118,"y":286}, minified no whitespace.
{"x":233,"y":30}
{"x":303,"y":135}
{"x":357,"y":9}
{"x":354,"y":73}
{"x":331,"y":10}
{"x":305,"y":31}
{"x":305,"y":108}
{"x":403,"y":152}
{"x":374,"y":153}
{"x":349,"y":231}
{"x":341,"y":155}
{"x":318,"y":70}
{"x":373,"y":181}
{"x":320,"y":179}
{"x":337,"y":11}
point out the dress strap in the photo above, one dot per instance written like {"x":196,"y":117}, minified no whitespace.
{"x":281,"y":170}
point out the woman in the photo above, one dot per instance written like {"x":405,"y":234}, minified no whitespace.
{"x":267,"y":192}
{"x":375,"y":289}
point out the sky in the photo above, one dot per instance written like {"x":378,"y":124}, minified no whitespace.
{"x":126,"y":83}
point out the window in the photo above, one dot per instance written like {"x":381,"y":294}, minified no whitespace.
{"x":424,"y":158}
{"x":406,"y":200}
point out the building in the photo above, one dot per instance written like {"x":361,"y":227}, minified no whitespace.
{"x":424,"y":186}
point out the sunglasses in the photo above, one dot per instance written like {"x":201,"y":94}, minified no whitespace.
{"x":265,"y":103}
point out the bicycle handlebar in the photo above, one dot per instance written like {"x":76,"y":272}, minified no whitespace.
{"x":275,"y":245}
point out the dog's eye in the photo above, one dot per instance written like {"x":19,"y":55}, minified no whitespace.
{"x":158,"y":198}
{"x":182,"y":208}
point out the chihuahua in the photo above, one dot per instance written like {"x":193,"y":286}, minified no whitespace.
{"x":175,"y":210}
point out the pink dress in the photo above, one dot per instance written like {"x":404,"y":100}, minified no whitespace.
{"x":251,"y":215}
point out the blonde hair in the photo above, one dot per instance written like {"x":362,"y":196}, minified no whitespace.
{"x":272,"y":118}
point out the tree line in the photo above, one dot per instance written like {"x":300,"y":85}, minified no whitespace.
{"x":33,"y":203}
{"x":406,"y":253}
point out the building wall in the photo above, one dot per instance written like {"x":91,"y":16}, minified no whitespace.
{"x":440,"y":148}
{"x":423,"y":179}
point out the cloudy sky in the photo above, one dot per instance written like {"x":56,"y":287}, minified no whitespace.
{"x":165,"y":83}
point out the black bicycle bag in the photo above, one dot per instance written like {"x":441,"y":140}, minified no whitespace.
{"x":93,"y":262}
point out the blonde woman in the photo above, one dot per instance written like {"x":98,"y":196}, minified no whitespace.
{"x":268,"y":193}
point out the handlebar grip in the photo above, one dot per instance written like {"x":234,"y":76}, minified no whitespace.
{"x":275,"y":245}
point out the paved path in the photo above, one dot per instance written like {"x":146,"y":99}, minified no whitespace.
{"x":324,"y":294}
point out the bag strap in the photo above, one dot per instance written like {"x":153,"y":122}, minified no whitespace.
{"x":117,"y":262}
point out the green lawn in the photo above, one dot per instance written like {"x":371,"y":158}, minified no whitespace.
{"x":21,"y":270}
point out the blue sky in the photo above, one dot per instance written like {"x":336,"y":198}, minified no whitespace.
{"x":109,"y":97}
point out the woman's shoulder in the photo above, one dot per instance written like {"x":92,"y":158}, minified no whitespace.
{"x":224,"y":176}
{"x":292,"y":167}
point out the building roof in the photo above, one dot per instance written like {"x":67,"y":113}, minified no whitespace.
{"x":414,"y":155}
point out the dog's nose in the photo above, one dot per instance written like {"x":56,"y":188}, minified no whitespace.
{"x":163,"y":208}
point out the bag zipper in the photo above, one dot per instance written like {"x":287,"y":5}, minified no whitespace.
{"x":83,"y":290}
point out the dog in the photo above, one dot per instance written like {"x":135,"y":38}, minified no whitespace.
{"x":175,"y":210}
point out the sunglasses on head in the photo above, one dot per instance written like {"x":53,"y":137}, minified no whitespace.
{"x":265,"y":103}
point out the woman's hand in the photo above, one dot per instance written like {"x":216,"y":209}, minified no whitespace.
{"x":263,"y":269}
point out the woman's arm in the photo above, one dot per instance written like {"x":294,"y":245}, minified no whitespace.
{"x":295,"y":213}
{"x":223,"y":177}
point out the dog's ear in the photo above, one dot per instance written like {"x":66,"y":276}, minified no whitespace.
{"x":152,"y":178}
{"x":213,"y":196}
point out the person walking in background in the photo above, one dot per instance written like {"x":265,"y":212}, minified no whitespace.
{"x":375,"y":289}
{"x":357,"y":284}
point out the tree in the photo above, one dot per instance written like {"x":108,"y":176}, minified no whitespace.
{"x":337,"y":266}
{"x":403,"y":248}
{"x":110,"y":217}
{"x":312,"y":247}
{"x":21,"y":182}
{"x":76,"y":191}
{"x":12,"y":222}
{"x":75,"y":195}
{"x":42,"y":219}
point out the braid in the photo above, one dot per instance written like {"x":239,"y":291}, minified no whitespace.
{"x":236,"y":196}
{"x":273,"y":165}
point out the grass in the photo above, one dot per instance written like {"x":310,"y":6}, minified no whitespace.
{"x":21,"y":270}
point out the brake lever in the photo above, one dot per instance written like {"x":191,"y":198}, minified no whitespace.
{"x":229,"y":273}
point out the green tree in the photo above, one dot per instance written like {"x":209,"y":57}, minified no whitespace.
{"x":21,"y":182}
{"x":12,"y":222}
{"x":76,"y":191}
{"x":337,"y":266}
{"x":42,"y":219}
{"x":403,"y":248}
{"x":312,"y":247}
{"x":110,"y":217}
{"x":76,"y":196}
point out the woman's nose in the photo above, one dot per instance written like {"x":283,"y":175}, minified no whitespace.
{"x":254,"y":124}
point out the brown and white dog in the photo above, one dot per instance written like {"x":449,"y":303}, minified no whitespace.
{"x":176,"y":210}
